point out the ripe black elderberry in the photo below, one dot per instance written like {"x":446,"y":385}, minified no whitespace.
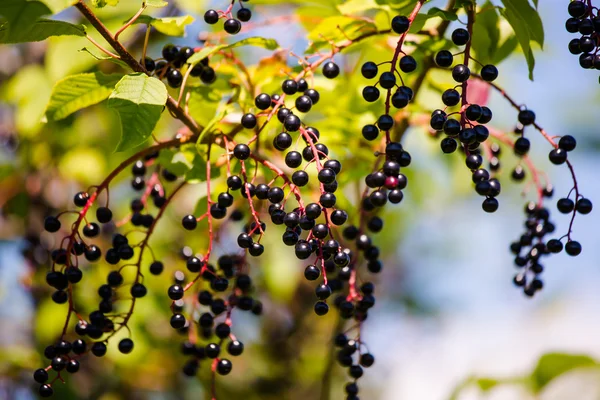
{"x":460,"y":37}
{"x":244,"y":14}
{"x":331,"y":70}
{"x":444,"y":59}
{"x":369,"y":70}
{"x":232,"y":26}
{"x":400,"y":24}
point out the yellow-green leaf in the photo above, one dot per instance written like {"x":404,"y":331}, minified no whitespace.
{"x":79,"y":91}
{"x":58,"y":5}
{"x":139,"y":99}
{"x":269,"y":44}
{"x":170,"y":26}
{"x":156,"y":3}
{"x":338,"y":29}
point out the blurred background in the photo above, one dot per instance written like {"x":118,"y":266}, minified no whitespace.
{"x":448,"y":324}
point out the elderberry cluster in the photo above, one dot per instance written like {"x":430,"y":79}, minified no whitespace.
{"x":466,"y":126}
{"x":388,"y":81}
{"x":584,"y":20}
{"x":218,"y":302}
{"x":231,"y":25}
{"x":173,"y":60}
{"x":352,"y":354}
{"x":104,"y":322}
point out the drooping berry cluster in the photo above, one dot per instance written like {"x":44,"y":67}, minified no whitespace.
{"x":469,"y":128}
{"x":104,"y":322}
{"x":223,"y":286}
{"x":584,"y":20}
{"x":231,"y":25}
{"x":174,"y":61}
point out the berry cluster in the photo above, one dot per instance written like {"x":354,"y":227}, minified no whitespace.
{"x":467,"y":128}
{"x":584,"y":20}
{"x":173,"y":60}
{"x":105,"y":321}
{"x":231,"y":25}
{"x":256,"y":192}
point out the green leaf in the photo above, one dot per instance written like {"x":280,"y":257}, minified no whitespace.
{"x":530,"y":18}
{"x":21,"y":16}
{"x":443,"y":14}
{"x":170,"y":26}
{"x":139,"y":99}
{"x":156,"y":3}
{"x":42,"y":29}
{"x":486,"y":33}
{"x":527,"y":25}
{"x":79,"y":91}
{"x":269,"y":44}
{"x":197,"y":173}
{"x":203,"y":104}
{"x":210,"y":127}
{"x":552,"y":365}
{"x":58,"y":5}
{"x":104,"y":3}
{"x":179,"y":161}
{"x":337,"y":30}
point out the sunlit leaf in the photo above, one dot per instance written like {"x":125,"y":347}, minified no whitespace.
{"x":338,"y":29}
{"x":156,"y":3}
{"x":139,"y":100}
{"x":170,"y":26}
{"x":58,"y":5}
{"x":269,"y":44}
{"x":79,"y":91}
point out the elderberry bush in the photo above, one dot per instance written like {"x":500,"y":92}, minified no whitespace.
{"x":242,"y":193}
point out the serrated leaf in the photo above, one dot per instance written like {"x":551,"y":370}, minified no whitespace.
{"x":79,"y":91}
{"x":269,"y":44}
{"x":338,"y":29}
{"x":156,"y":3}
{"x":42,"y":29}
{"x":552,"y":365}
{"x":139,"y":99}
{"x":486,"y":33}
{"x":170,"y":26}
{"x":443,"y":14}
{"x":21,"y":16}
